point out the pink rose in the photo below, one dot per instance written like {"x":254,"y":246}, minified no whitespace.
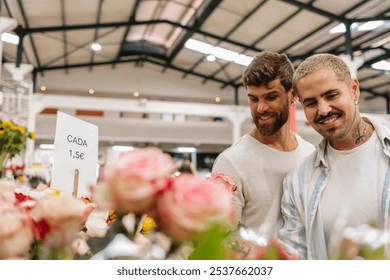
{"x":191,"y":205}
{"x":7,"y":190}
{"x":58,"y":219}
{"x":131,"y":183}
{"x":16,"y":235}
{"x":225,"y":179}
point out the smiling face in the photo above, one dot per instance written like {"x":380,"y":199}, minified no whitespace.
{"x":329,"y":103}
{"x":269,"y":106}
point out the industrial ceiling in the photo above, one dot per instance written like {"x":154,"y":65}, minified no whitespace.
{"x":57,"y":35}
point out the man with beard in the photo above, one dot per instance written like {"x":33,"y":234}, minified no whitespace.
{"x":260,"y":159}
{"x":346,"y":182}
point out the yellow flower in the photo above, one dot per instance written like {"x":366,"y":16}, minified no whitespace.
{"x":22,"y":130}
{"x":53,"y":193}
{"x":8,"y":124}
{"x":147,"y":225}
{"x":32,"y":135}
{"x":12,"y":140}
{"x":111,"y":217}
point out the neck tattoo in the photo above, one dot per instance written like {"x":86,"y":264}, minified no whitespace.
{"x":361,"y":132}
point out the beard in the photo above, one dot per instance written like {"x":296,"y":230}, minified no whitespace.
{"x":271,"y":128}
{"x":336,"y":133}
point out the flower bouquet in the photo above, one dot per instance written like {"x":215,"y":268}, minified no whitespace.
{"x":363,"y":242}
{"x":140,"y":188}
{"x":138,"y":210}
{"x":12,"y":141}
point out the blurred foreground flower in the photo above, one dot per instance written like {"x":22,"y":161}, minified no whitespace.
{"x":16,"y":233}
{"x":132,"y":183}
{"x":139,"y":210}
{"x":192,"y":204}
{"x":364,"y":242}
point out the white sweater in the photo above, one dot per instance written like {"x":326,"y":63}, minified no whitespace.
{"x":259,"y":171}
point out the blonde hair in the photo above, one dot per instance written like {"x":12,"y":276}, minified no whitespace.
{"x":321,"y":61}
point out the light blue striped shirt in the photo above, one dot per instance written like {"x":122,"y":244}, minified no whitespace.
{"x":302,"y":232}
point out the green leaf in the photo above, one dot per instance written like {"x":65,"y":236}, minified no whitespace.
{"x":271,"y":253}
{"x":210,"y":244}
{"x":368,"y":253}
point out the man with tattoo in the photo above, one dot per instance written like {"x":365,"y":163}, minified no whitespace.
{"x":346,"y":182}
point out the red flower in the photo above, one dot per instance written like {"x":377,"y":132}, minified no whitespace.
{"x":22,"y":197}
{"x":41,"y":229}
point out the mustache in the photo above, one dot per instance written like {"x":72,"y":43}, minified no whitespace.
{"x":265,"y":114}
{"x":329,"y":115}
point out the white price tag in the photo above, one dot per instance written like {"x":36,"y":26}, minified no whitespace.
{"x":75,"y":156}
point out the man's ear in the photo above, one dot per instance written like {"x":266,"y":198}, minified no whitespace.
{"x":355,"y":88}
{"x":294,"y":95}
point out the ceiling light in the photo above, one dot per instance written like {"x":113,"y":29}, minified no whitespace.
{"x":186,"y":150}
{"x":43,"y":88}
{"x":341,"y":28}
{"x":217,"y":99}
{"x":91,"y":91}
{"x":224,"y":54}
{"x":96,"y":47}
{"x":46,"y":146}
{"x":198,"y":46}
{"x":218,"y":52}
{"x":210,"y":58}
{"x":370,"y":25}
{"x":136,"y":93}
{"x":10,"y":38}
{"x":363,"y":26}
{"x":122,"y":148}
{"x":243,"y":59}
{"x":381,"y":65}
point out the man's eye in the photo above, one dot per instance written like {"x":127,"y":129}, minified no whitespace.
{"x":272,"y":97}
{"x":310,"y":104}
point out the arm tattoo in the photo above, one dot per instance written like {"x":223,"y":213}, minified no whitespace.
{"x":241,"y":247}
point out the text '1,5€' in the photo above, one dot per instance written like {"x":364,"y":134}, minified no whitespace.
{"x":76,"y":154}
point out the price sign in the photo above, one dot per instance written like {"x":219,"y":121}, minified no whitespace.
{"x":75,"y":155}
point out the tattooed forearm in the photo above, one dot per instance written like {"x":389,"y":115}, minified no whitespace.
{"x":241,"y":248}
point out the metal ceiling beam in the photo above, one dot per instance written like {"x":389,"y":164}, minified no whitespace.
{"x":75,"y":47}
{"x":384,"y":56}
{"x":96,"y":33}
{"x":195,"y":24}
{"x":130,"y":23}
{"x":22,"y":34}
{"x":238,"y":24}
{"x":336,"y":49}
{"x":146,"y":22}
{"x":375,"y":95}
{"x":63,"y":19}
{"x":135,"y":60}
{"x":315,"y":10}
{"x":386,"y":83}
{"x":273,"y":29}
{"x":370,"y":77}
{"x":361,"y":3}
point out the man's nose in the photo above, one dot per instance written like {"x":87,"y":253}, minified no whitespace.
{"x":262,"y":107}
{"x":323,"y":108}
